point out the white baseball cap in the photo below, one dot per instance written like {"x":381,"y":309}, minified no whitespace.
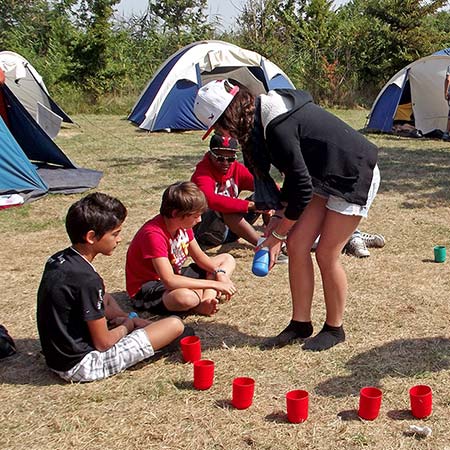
{"x":212,"y":100}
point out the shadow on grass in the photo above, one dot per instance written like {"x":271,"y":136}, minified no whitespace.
{"x":400,"y":358}
{"x":213,"y":334}
{"x":420,"y":173}
{"x":27,"y":366}
{"x":167,"y":163}
{"x":277,"y":417}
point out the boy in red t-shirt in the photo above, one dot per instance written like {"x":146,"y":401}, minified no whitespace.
{"x":155,"y":277}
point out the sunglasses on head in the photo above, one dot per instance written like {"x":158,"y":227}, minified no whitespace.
{"x":222,"y":159}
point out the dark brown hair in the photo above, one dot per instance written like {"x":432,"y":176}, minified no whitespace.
{"x":237,"y":119}
{"x":98,"y":212}
{"x":184,"y":198}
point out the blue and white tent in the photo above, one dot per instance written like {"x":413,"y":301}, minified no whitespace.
{"x":167,"y":101}
{"x":420,"y":83}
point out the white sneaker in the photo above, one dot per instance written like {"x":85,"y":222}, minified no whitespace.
{"x":282,"y":259}
{"x":283,"y":256}
{"x":373,"y":240}
{"x":357,"y":247}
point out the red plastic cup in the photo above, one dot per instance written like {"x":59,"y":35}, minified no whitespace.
{"x":191,"y":348}
{"x":369,"y":403}
{"x":421,"y":398}
{"x":243,"y":390}
{"x":203,"y":374}
{"x":297,"y":405}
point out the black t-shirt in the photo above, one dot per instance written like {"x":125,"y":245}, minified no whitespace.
{"x":70,"y":294}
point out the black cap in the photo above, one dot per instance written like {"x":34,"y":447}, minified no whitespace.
{"x":219,"y":142}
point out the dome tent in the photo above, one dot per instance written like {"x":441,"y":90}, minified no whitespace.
{"x":31,"y":164}
{"x":29,"y":88}
{"x":421,"y":84}
{"x":167,"y":101}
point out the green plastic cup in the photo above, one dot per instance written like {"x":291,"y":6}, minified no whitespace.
{"x":439,"y":253}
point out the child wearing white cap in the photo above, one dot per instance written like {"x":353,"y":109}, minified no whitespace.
{"x":330,"y":180}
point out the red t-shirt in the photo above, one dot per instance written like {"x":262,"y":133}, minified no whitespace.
{"x":154,"y":241}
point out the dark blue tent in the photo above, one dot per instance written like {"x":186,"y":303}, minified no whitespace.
{"x":31,"y":164}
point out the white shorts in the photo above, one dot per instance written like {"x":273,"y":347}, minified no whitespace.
{"x":130,"y":350}
{"x":341,"y":206}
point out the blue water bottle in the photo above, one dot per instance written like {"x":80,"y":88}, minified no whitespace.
{"x":261,"y":260}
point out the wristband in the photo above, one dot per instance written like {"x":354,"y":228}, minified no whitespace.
{"x":219,"y":271}
{"x":132,"y":315}
{"x":280,"y":237}
{"x":277,"y":216}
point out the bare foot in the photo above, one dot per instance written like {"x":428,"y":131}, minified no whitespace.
{"x":207,"y":307}
{"x":223,"y":298}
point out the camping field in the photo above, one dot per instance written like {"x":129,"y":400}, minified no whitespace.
{"x":397,"y":318}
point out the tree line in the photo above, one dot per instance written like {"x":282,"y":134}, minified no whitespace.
{"x":343,"y":56}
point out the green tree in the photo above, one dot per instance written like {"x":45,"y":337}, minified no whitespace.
{"x":298,"y":36}
{"x":260,"y":30}
{"x":182,"y":20}
{"x":91,"y":52}
{"x":386,"y":35}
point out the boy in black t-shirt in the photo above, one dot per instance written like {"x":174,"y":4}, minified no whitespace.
{"x":85,"y":335}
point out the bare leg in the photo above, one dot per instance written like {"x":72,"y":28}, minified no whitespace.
{"x":199,"y":301}
{"x":164,"y":331}
{"x":182,"y":299}
{"x":301,"y":269}
{"x":222,"y":261}
{"x":112,"y":308}
{"x":239,"y":226}
{"x":336,"y":230}
{"x":301,"y":274}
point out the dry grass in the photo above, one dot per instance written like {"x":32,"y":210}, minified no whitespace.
{"x":396,"y":320}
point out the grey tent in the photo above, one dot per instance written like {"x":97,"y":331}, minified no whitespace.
{"x":29,"y":88}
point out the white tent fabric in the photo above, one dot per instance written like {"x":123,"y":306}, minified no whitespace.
{"x":426,"y":78}
{"x":29,"y":88}
{"x":427,"y":91}
{"x":206,"y":59}
{"x":24,"y":81}
{"x":48,"y":120}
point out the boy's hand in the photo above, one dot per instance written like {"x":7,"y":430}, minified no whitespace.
{"x":140,"y":323}
{"x":125,"y":321}
{"x":117,"y":321}
{"x":227,"y":287}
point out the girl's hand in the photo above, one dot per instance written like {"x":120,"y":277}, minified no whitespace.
{"x":274,"y":249}
{"x":273,"y":222}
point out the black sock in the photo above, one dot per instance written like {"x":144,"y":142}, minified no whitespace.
{"x":295,"y":330}
{"x":302,"y":329}
{"x":327,"y":337}
{"x":338,"y":331}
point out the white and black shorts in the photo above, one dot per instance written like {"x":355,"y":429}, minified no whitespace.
{"x":130,"y":350}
